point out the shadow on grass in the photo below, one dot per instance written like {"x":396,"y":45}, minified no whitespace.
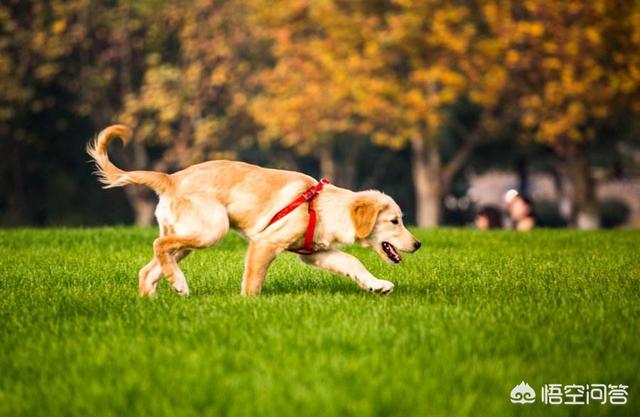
{"x":426,"y":290}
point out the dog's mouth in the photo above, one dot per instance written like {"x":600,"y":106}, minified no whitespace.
{"x":391,"y":252}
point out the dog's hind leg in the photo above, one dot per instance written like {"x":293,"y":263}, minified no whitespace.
{"x":166,"y":249}
{"x":148,"y":278}
{"x":200,"y":222}
{"x":150,"y":275}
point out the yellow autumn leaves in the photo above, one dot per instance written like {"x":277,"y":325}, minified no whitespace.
{"x":308,"y":71}
{"x":393,"y":71}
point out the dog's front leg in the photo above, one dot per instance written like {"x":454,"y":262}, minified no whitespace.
{"x":350,"y":266}
{"x":259,"y":256}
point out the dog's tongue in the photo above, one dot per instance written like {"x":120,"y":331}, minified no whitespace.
{"x":391,"y":252}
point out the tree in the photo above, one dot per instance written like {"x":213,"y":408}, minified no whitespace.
{"x":309,"y":96}
{"x":118,"y":39}
{"x":192,"y":100}
{"x":35,"y":40}
{"x":573,"y":65}
{"x":419,"y":77}
{"x":77,"y":59}
{"x":379,"y":70}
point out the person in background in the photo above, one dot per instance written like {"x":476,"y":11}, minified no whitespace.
{"x":520,"y":209}
{"x":488,"y":217}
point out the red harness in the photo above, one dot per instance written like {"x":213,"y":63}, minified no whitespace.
{"x":307,"y":196}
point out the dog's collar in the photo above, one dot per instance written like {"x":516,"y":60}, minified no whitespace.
{"x":308,"y":196}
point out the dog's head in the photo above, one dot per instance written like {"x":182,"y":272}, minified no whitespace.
{"x":377,"y":220}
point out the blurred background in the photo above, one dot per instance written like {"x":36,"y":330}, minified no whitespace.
{"x":445,"y":105}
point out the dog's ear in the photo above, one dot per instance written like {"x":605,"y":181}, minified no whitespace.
{"x":364,"y":213}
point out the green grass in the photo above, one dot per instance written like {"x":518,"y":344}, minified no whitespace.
{"x":472,"y":315}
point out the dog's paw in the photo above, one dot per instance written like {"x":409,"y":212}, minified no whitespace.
{"x":147,"y":292}
{"x":181,"y":288}
{"x":380,"y":286}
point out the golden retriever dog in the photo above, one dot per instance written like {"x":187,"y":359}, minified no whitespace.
{"x":198,"y":205}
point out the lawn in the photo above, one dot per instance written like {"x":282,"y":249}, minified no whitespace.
{"x":473,"y":314}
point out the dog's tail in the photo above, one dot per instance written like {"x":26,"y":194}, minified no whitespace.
{"x":112,"y":176}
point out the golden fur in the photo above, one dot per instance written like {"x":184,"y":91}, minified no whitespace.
{"x":198,"y":205}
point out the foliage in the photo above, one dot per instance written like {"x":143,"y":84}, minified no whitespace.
{"x":199,"y":80}
{"x":193,"y":99}
{"x":572,"y":64}
{"x":361,"y":68}
{"x":35,"y":40}
{"x":312,"y":92}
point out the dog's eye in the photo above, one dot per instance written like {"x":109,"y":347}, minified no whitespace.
{"x":395,"y":221}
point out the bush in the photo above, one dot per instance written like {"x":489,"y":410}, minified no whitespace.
{"x":613,"y":213}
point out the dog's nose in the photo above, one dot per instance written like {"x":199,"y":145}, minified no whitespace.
{"x":416,"y":246}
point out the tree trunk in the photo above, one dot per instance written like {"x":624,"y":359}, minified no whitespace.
{"x":339,"y":167}
{"x":584,"y":205}
{"x":471,"y":140}
{"x":327,"y":161}
{"x":348,"y":171}
{"x":141,"y":198}
{"x":522,"y":170}
{"x":449,"y":171}
{"x":143,"y":203}
{"x":425,"y":169}
{"x":18,"y":207}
